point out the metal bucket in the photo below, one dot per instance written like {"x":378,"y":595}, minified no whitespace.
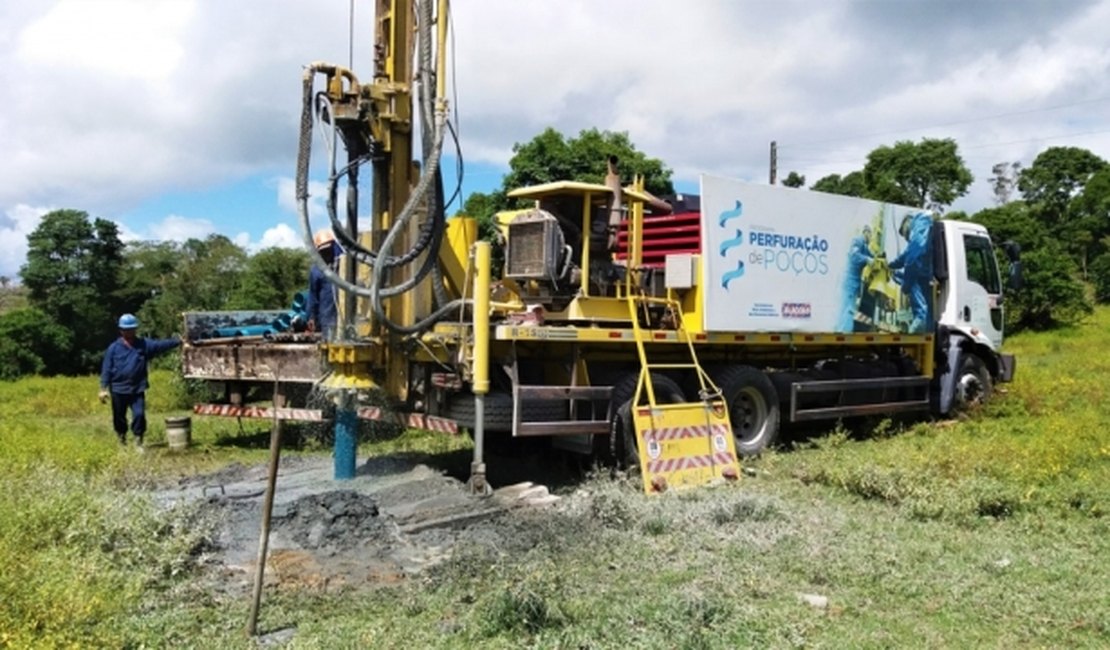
{"x":179,"y":433}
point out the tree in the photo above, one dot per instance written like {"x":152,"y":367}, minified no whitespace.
{"x":208,"y":272}
{"x":270,"y":279}
{"x":794,"y":179}
{"x":1100,"y":277}
{"x":849,"y":185}
{"x":929,"y":174}
{"x":1087,"y":226}
{"x":1055,"y":177}
{"x":1004,"y":179}
{"x":31,"y":343}
{"x":551,"y":157}
{"x":72,"y":275}
{"x":1052,"y":294}
{"x":147,"y":268}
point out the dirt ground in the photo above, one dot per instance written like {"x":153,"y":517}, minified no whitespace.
{"x":396,"y":518}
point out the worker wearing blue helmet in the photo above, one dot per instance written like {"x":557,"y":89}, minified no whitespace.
{"x":123,"y":377}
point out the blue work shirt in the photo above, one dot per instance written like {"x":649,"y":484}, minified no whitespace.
{"x":124,"y":367}
{"x":915,"y":258}
{"x":320,"y":305}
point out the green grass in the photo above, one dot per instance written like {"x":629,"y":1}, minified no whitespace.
{"x":1042,"y":446}
{"x":991,"y":531}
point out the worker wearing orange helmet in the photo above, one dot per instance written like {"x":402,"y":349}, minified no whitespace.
{"x":320,"y":306}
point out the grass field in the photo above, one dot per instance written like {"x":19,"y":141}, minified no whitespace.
{"x":991,"y":531}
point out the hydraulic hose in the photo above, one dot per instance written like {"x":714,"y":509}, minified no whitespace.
{"x":429,"y":174}
{"x":379,"y":263}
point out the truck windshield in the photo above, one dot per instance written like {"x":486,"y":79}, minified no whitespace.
{"x":982,"y":268}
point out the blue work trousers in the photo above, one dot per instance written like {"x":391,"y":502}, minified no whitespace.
{"x":919,"y":292}
{"x":137,"y":403}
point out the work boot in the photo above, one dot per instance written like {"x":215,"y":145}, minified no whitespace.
{"x":122,"y":439}
{"x":139,"y":445}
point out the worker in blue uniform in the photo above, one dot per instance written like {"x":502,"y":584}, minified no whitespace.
{"x":859,"y":256}
{"x":916,"y":265}
{"x":321,"y":305}
{"x":123,"y":377}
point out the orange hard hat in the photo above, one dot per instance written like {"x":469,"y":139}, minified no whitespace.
{"x":322,"y":238}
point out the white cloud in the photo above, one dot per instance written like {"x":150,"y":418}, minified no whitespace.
{"x":177,"y":228}
{"x":129,"y":38}
{"x":280,"y":236}
{"x":16,"y":223}
{"x":317,"y":195}
{"x":110,"y":104}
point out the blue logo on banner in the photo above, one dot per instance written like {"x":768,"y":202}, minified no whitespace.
{"x":728,"y":215}
{"x":729,"y":276}
{"x":732,"y":243}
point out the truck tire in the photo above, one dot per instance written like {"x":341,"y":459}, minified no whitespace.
{"x":499,"y":411}
{"x":622,"y":433}
{"x":974,"y":384}
{"x":753,"y":407}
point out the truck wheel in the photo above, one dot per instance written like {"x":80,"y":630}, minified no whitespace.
{"x":499,"y":411}
{"x":974,"y":385}
{"x":753,"y":407}
{"x":622,"y":433}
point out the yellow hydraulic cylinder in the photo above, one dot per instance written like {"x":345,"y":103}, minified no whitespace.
{"x":480,"y":382}
{"x":481,"y":317}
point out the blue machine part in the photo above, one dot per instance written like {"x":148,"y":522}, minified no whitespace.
{"x":294,"y":319}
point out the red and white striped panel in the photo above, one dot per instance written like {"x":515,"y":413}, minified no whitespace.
{"x":236,"y":411}
{"x":446,"y":380}
{"x":679,"y":433}
{"x":413,"y":420}
{"x":690,"y":462}
{"x":433,"y":423}
{"x":369,"y":413}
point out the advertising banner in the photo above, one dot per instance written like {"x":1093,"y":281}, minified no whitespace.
{"x":780,"y":259}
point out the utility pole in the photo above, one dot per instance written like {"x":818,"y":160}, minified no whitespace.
{"x":774,"y":161}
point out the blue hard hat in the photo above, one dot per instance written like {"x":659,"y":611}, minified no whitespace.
{"x":128,"y":322}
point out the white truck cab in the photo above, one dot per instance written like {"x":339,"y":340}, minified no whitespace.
{"x":971,"y":317}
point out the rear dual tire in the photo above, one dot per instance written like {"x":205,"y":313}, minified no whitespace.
{"x":753,"y":407}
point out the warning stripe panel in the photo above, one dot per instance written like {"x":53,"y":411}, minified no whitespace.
{"x":413,"y":420}
{"x":664,"y":465}
{"x":680,"y":433}
{"x":237,"y":411}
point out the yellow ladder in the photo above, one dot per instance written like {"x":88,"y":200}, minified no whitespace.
{"x":683,"y":444}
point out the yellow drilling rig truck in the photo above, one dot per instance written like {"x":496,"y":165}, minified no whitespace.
{"x":626,"y":326}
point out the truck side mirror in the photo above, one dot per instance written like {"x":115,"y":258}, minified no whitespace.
{"x":1013,"y":252}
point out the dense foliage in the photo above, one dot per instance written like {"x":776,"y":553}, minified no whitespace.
{"x":79,"y":277}
{"x":71,"y":274}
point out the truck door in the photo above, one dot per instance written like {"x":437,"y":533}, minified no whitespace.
{"x":979,"y":288}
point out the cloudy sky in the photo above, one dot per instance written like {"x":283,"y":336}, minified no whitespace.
{"x":178,"y":118}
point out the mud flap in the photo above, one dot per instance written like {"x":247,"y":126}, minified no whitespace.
{"x":1007,"y":364}
{"x":949,"y":377}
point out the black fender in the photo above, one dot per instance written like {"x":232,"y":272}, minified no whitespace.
{"x":953,"y":348}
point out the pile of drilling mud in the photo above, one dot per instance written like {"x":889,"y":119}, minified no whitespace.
{"x":393,"y":520}
{"x":339,"y":519}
